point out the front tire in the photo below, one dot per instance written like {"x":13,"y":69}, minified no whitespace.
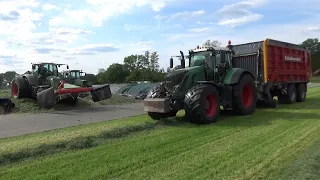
{"x":202,"y":104}
{"x":244,"y":96}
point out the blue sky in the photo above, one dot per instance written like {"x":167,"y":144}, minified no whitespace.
{"x":92,"y":34}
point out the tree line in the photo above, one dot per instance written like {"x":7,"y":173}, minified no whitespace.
{"x":145,"y":67}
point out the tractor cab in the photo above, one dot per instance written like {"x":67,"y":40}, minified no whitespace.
{"x":47,"y":73}
{"x":74,"y":77}
{"x":216,"y":60}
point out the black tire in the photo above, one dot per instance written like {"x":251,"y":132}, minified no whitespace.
{"x":244,"y":96}
{"x":71,"y":101}
{"x":301,"y":92}
{"x":196,"y":101}
{"x":20,"y":88}
{"x":290,"y":97}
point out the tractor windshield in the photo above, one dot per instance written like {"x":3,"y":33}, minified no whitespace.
{"x":75,"y":74}
{"x":202,"y":58}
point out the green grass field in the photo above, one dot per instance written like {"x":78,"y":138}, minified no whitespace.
{"x":272,"y":144}
{"x":315,"y":79}
{"x":31,"y":106}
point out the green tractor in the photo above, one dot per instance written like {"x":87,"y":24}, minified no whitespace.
{"x":74,"y":77}
{"x":46,"y":86}
{"x":209,"y":83}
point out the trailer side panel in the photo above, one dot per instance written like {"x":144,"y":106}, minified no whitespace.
{"x":286,"y":62}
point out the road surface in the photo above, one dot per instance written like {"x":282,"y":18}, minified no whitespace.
{"x":19,"y":124}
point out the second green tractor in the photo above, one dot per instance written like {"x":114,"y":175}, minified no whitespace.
{"x":209,"y":82}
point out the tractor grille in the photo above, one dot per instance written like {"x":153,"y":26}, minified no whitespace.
{"x":173,"y":79}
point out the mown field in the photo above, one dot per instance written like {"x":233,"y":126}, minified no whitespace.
{"x":31,"y":106}
{"x":281,"y":143}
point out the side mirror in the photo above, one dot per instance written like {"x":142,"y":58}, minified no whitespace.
{"x":33,"y":67}
{"x":67,"y":66}
{"x":171,"y":63}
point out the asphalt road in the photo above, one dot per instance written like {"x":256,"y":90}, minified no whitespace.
{"x":19,"y":124}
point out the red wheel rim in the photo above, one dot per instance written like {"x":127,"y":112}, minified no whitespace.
{"x":247,"y":95}
{"x":211,"y":105}
{"x":14,"y":89}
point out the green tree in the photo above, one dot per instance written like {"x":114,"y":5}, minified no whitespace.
{"x":90,"y":78}
{"x":130,"y":62}
{"x":312,"y":44}
{"x":154,"y":62}
{"x":116,"y":73}
{"x":1,"y":80}
{"x":214,"y":43}
{"x":9,"y":75}
{"x":101,"y":77}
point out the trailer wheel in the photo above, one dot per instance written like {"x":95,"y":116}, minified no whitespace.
{"x":20,"y":88}
{"x":301,"y":92}
{"x":290,"y":97}
{"x":244,"y":96}
{"x":202,"y":104}
{"x":158,"y":116}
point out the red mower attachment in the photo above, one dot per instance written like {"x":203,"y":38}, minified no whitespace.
{"x":49,"y":97}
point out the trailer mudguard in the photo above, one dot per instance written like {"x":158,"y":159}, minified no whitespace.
{"x":233,"y":76}
{"x":31,"y":79}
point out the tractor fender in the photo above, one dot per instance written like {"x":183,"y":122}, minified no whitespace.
{"x":31,"y":79}
{"x":234,"y":75}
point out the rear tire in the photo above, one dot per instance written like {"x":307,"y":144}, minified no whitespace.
{"x":290,"y":97}
{"x":20,"y":88}
{"x":202,"y":104}
{"x":244,"y":96}
{"x":301,"y":92}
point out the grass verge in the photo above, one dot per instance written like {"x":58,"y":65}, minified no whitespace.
{"x":236,"y":147}
{"x":315,"y":79}
{"x":31,"y":106}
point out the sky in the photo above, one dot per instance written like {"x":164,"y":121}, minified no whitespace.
{"x":93,"y":34}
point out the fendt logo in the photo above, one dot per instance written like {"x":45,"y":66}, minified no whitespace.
{"x":290,"y":58}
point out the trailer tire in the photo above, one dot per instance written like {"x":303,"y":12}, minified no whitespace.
{"x":202,"y":104}
{"x":20,"y":88}
{"x":290,"y":97}
{"x":301,"y":92}
{"x":244,"y":96}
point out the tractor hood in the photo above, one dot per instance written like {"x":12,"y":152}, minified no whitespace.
{"x":181,"y":76}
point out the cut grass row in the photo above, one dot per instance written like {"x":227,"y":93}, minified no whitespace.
{"x":258,"y":146}
{"x":31,"y":106}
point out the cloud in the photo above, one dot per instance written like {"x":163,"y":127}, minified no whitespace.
{"x":313,"y":29}
{"x":199,"y":30}
{"x":92,"y":49}
{"x":65,"y":31}
{"x":11,"y":16}
{"x":180,"y":15}
{"x":98,"y":11}
{"x":48,"y":7}
{"x":128,"y":27}
{"x":238,"y":13}
{"x":48,"y":50}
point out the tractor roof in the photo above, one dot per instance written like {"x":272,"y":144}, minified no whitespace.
{"x":202,"y":49}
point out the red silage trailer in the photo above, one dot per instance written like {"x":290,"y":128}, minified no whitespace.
{"x":280,"y":69}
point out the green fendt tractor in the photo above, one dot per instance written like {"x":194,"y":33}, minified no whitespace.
{"x":46,"y":86}
{"x":74,"y":77}
{"x":209,"y":82}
